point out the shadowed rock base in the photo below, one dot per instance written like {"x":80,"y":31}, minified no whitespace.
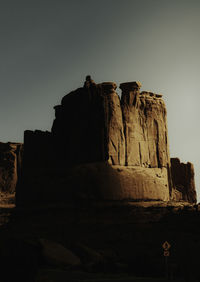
{"x":95,"y":181}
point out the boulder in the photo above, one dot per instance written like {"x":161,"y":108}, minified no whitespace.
{"x":56,"y":254}
{"x":87,"y":254}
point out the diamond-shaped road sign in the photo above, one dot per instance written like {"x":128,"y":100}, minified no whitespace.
{"x":166,"y":253}
{"x":166,"y":246}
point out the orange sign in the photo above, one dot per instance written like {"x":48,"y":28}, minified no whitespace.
{"x":166,"y":246}
{"x":166,"y":253}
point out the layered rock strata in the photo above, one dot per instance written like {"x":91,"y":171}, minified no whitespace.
{"x":100,"y":147}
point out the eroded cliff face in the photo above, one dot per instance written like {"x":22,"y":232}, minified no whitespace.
{"x":89,"y":125}
{"x":101,"y":147}
{"x":10,"y":166}
{"x":131,"y":132}
{"x":183,"y":181}
{"x":145,"y":127}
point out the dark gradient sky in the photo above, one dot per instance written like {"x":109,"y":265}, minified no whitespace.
{"x":48,"y":47}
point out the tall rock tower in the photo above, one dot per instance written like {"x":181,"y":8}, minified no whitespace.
{"x":100,"y":148}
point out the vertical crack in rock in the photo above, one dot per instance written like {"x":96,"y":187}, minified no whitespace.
{"x":140,"y":154}
{"x":157,"y":143}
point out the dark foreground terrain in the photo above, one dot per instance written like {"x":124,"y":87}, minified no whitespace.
{"x":99,"y":242}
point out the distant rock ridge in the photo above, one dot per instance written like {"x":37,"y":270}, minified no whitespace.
{"x":102,"y":147}
{"x":10,"y":166}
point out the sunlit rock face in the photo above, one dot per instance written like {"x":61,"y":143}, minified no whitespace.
{"x":100,"y":147}
{"x":130,"y":132}
{"x":10,"y":166}
{"x":145,"y":127}
{"x":115,"y":183}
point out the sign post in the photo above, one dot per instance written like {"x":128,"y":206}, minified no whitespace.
{"x":166,"y":246}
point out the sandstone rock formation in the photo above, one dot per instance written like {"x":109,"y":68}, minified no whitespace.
{"x":89,"y":126}
{"x":183,"y":180}
{"x":145,"y":127}
{"x":101,"y":148}
{"x":38,"y":151}
{"x":10,"y":165}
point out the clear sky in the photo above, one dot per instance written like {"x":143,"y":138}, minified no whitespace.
{"x":49,"y":46}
